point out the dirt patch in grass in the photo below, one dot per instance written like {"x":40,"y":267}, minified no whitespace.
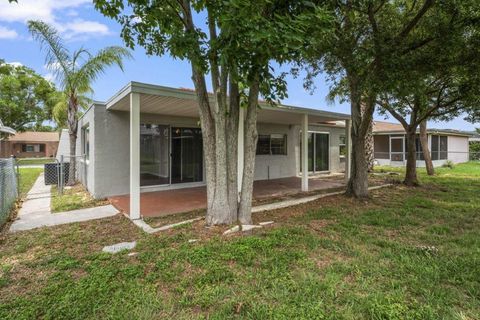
{"x":41,"y":251}
{"x":156,"y":222}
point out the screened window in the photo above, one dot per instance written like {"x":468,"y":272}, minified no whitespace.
{"x":274,"y":144}
{"x":419,"y":150}
{"x":439,"y":147}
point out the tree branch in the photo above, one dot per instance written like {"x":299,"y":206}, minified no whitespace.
{"x":409,"y":27}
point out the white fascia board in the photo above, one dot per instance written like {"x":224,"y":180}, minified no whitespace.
{"x":144,"y":88}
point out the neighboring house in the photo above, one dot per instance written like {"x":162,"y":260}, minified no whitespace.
{"x":167,"y":152}
{"x":444,"y":144}
{"x":30,"y":144}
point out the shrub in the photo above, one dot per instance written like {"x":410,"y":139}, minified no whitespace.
{"x":448,"y":164}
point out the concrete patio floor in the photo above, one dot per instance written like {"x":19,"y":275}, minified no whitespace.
{"x":166,"y":202}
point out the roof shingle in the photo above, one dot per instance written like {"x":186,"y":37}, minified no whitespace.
{"x":32,"y":136}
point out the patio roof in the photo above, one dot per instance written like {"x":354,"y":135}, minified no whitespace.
{"x":183,"y":102}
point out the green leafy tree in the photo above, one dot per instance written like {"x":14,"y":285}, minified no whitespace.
{"x":359,"y":57}
{"x":25,"y":97}
{"x":75,"y":73}
{"x":233,"y":42}
{"x":440,"y":80}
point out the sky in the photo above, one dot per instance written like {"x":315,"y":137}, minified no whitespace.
{"x":81,"y":26}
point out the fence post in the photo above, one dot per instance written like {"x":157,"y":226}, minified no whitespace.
{"x":61,"y":176}
{"x":16,"y":169}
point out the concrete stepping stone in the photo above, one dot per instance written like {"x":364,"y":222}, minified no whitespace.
{"x":114,"y":248}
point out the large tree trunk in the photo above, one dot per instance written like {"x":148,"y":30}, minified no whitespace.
{"x":411,"y":170}
{"x":217,"y":202}
{"x":358,"y":184}
{"x":425,"y":149}
{"x":232,"y":148}
{"x":369,"y":147}
{"x":72,"y":131}
{"x":250,"y":139}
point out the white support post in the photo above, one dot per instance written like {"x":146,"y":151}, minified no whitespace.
{"x":134,"y":156}
{"x":348,"y":156}
{"x":305,"y":152}
{"x":241,"y":149}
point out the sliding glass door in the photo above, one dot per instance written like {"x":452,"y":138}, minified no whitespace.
{"x":318,"y":151}
{"x":187,"y":155}
{"x":321,"y":151}
{"x":154,"y":154}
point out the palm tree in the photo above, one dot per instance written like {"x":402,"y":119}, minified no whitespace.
{"x":75,"y":73}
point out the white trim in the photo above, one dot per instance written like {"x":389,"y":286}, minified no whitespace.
{"x":144,"y":88}
{"x":134,"y":156}
{"x":315,"y":151}
{"x":305,"y":152}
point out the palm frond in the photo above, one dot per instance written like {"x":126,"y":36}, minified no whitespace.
{"x":77,"y":55}
{"x":57,"y":55}
{"x":98,"y":63}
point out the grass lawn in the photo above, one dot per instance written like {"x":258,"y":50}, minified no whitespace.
{"x":27,"y":179}
{"x":34,"y":161}
{"x":73,"y":198}
{"x":403,"y":254}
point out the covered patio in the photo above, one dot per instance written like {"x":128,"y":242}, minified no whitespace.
{"x":175,"y":109}
{"x":190,"y":199}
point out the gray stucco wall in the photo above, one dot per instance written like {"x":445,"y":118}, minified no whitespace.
{"x":110,"y":147}
{"x":86,"y":168}
{"x":278,"y":166}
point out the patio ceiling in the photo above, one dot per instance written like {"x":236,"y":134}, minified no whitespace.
{"x":182,"y":102}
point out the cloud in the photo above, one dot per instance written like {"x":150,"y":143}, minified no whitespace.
{"x":49,"y":77}
{"x":6,"y":33}
{"x":57,"y":13}
{"x":36,"y":9}
{"x":81,"y":27}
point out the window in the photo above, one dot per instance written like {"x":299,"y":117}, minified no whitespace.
{"x":86,"y":142}
{"x":28,"y":148}
{"x":418,"y":149}
{"x":274,"y":144}
{"x":42,"y":148}
{"x":343,"y":146}
{"x":439,"y":147}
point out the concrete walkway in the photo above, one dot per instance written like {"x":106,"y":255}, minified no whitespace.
{"x":36,"y":212}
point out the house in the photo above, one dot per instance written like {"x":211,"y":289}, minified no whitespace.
{"x":444,"y":144}
{"x":147,"y":138}
{"x":30,"y":144}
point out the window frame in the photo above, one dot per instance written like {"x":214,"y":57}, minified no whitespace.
{"x":271,"y":136}
{"x":439,"y":153}
{"x":86,"y":142}
{"x":342,"y":144}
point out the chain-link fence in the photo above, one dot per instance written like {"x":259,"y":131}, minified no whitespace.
{"x":58,"y":172}
{"x":8,"y":187}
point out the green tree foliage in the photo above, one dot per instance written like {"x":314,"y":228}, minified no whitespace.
{"x":440,"y":80}
{"x":25,"y":97}
{"x":234,"y":42}
{"x":75,"y":71}
{"x":360,"y":59}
